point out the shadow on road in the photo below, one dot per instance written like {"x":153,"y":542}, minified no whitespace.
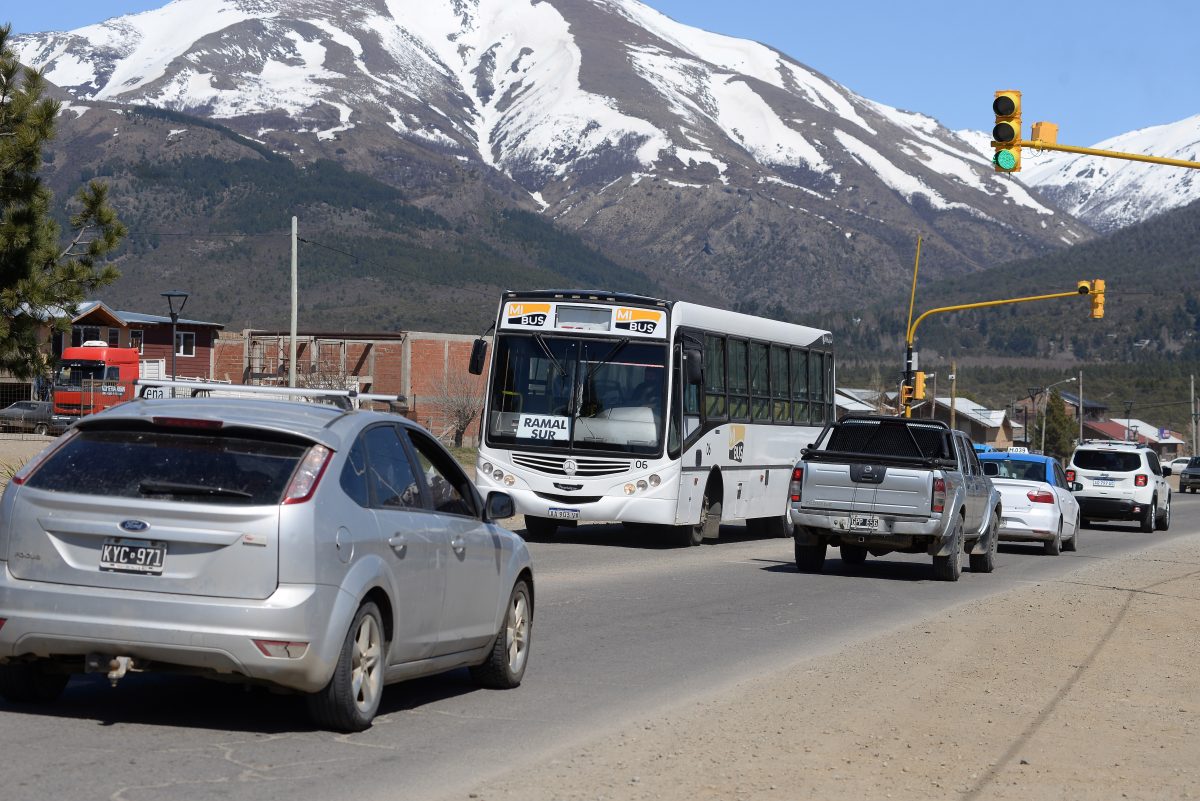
{"x":643,"y":537}
{"x":198,"y":703}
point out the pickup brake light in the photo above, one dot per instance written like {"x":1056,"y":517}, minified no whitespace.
{"x":939,"y":495}
{"x":797,"y":483}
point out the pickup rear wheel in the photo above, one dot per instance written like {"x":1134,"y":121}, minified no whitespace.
{"x":853,"y":554}
{"x":949,"y":567}
{"x":810,"y":558}
{"x":986,"y":562}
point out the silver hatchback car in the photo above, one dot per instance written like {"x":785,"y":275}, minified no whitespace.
{"x":325,"y":550}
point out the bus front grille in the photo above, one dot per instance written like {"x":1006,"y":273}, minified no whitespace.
{"x":585,"y":467}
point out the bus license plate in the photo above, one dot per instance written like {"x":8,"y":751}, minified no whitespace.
{"x":120,"y":555}
{"x":563,"y":514}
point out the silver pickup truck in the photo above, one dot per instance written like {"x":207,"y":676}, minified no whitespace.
{"x":876,"y":485}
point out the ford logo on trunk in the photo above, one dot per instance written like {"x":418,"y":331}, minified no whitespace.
{"x":134,"y":525}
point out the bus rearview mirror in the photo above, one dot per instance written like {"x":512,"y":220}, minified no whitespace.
{"x":693,"y":370}
{"x":478,"y":356}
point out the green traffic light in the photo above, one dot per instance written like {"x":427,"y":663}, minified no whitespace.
{"x":1005,"y":159}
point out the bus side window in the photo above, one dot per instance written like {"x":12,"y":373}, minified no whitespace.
{"x":781,"y":408}
{"x":714,"y":378}
{"x":760,"y":389}
{"x":816,"y":387}
{"x":799,"y":359}
{"x":739,"y":384}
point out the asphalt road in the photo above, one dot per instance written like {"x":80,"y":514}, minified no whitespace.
{"x":625,"y":624}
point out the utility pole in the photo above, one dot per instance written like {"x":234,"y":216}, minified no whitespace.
{"x":295,"y":304}
{"x":953,"y":390}
{"x":1079,"y":408}
{"x":1128,"y":418}
{"x":1193,"y":416}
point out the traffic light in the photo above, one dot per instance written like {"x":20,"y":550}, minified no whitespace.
{"x":1097,"y":299}
{"x":1006,"y":134}
{"x":906,"y":395}
{"x":919,"y":386}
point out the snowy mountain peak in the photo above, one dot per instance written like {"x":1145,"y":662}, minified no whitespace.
{"x":1110,"y":193}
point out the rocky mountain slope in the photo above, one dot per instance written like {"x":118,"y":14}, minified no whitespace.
{"x":715,"y":167}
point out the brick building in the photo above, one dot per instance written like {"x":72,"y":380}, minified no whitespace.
{"x":429,"y":370}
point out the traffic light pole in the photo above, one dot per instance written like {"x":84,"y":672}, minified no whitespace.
{"x":911,"y":334}
{"x":1037,"y":144}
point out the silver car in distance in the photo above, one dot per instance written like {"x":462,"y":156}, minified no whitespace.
{"x":325,"y":550}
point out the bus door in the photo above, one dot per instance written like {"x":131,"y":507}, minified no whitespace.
{"x":687,"y":424}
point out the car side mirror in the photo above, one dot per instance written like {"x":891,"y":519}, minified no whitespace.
{"x":1075,"y":486}
{"x":500,"y":506}
{"x":1166,"y":471}
{"x":478,"y":357}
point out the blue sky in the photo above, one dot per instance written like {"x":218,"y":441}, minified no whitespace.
{"x":1096,"y":68}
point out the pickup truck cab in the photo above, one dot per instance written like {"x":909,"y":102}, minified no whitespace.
{"x":876,"y":485}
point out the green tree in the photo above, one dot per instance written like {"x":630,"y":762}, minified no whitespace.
{"x":1061,"y":430}
{"x":41,"y":277}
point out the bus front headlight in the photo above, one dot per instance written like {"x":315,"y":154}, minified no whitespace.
{"x":630,"y":489}
{"x":655,"y":480}
{"x":641,"y":485}
{"x":509,"y":480}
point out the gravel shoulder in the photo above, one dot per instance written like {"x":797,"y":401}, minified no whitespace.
{"x":1083,"y":687}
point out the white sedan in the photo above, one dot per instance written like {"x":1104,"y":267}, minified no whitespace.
{"x":1036,"y":498}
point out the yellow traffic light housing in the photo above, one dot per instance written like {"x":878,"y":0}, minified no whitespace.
{"x":919,"y":386}
{"x":1097,"y":299}
{"x":906,"y":395}
{"x":1007,"y":132}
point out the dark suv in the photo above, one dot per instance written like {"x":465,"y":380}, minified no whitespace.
{"x":1189,"y":477}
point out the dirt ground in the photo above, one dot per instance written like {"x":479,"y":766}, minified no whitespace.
{"x":1080,"y":688}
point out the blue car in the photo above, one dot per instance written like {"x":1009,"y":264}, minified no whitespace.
{"x":1037,"y":504}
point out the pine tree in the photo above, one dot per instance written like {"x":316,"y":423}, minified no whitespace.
{"x":41,"y":278}
{"x":1060,"y":429}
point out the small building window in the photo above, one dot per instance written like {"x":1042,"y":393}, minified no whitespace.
{"x":136,"y":339}
{"x":114,"y":337}
{"x":185,"y":343}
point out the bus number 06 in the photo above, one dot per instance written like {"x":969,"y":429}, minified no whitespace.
{"x":640,"y":464}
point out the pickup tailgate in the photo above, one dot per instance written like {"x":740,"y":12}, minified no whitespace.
{"x":867,"y":488}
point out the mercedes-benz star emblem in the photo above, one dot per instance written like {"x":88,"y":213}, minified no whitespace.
{"x":569,"y":467}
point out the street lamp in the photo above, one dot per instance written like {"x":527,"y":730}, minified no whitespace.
{"x":172,"y":296}
{"x":1046,"y":390}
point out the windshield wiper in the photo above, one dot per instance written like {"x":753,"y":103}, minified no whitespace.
{"x":541,"y":341}
{"x":157,"y":487}
{"x":606,"y":358}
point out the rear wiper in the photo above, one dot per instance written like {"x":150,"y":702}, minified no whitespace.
{"x":156,"y":487}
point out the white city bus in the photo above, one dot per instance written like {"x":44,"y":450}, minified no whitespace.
{"x":614,"y":407}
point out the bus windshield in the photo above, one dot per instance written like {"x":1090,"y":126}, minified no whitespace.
{"x":578,"y":394}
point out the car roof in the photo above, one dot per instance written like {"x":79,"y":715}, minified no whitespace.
{"x":1001,"y":456}
{"x":319,"y":422}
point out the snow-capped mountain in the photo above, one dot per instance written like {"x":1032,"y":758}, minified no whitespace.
{"x":695,"y":154}
{"x":1111,"y":193}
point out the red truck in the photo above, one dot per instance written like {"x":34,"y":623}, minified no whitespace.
{"x":93,"y":377}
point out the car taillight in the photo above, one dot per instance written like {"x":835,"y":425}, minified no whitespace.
{"x":1140,"y":480}
{"x":304,"y":483}
{"x":939,"y":495}
{"x":1040,"y":496}
{"x":22,"y":475}
{"x":1070,"y":475}
{"x":797,"y":483}
{"x":2,"y":622}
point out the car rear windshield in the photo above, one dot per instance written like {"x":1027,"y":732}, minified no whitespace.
{"x":1194,"y":462}
{"x":1112,"y":461}
{"x":192,"y":468}
{"x":914,"y":440}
